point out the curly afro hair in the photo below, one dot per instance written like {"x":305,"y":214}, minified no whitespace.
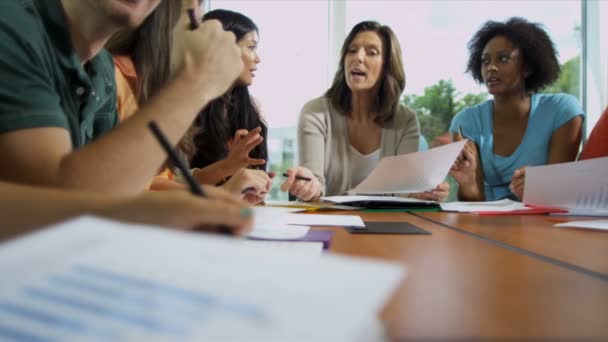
{"x":537,"y":50}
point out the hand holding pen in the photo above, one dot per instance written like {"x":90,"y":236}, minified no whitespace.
{"x":205,"y":53}
{"x":302,"y":183}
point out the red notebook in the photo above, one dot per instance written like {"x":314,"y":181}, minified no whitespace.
{"x":531,"y":210}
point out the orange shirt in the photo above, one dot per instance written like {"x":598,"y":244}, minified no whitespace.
{"x":126,"y":86}
{"x":597,"y":144}
{"x":126,"y":90}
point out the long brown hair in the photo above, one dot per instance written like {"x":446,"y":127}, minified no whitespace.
{"x":392,"y":80}
{"x":149,"y":46}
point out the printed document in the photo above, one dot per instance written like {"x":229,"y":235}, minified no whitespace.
{"x":577,"y":186}
{"x":94,"y":279}
{"x":408,"y":173}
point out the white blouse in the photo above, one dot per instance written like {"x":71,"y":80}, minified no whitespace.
{"x":361,"y":165}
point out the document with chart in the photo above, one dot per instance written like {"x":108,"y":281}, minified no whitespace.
{"x":413,"y":172}
{"x":93,"y":279}
{"x":580,"y":187}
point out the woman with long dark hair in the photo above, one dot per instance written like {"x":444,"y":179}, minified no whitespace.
{"x":343,"y":134}
{"x":229,"y":136}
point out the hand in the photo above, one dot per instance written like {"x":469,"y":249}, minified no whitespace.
{"x":239,"y":148}
{"x":466,"y":165}
{"x":518,"y":182}
{"x":182,"y":210}
{"x":208,"y":56}
{"x":304,"y":190}
{"x":439,"y":194}
{"x":253,"y":185}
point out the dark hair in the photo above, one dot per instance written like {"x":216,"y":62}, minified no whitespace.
{"x":538,"y":53}
{"x":235,"y":110}
{"x":149,"y":46}
{"x":392,"y":80}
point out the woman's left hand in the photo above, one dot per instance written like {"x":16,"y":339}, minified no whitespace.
{"x":439,"y":194}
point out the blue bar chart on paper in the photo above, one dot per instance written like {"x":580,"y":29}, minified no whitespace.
{"x":90,"y":302}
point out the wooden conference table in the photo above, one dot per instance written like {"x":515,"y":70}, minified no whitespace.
{"x":488,"y":277}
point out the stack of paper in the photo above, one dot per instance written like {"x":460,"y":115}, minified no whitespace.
{"x":580,"y":187}
{"x":591,"y":224}
{"x":273,"y":217}
{"x":92,"y":279}
{"x":408,"y":173}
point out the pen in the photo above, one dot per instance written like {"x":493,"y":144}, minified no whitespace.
{"x":460,"y":131}
{"x":308,"y":179}
{"x":195,"y":187}
{"x":193,"y":21}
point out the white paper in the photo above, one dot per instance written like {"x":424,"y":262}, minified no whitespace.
{"x":116,"y":281}
{"x":580,"y":185}
{"x":305,"y":249}
{"x":324,"y":220}
{"x":467,"y":207}
{"x":592,"y":224}
{"x":408,"y":173}
{"x":278,"y":232}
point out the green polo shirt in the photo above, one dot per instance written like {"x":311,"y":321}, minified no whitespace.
{"x":42,"y":83}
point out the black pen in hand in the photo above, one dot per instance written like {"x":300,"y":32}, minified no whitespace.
{"x":308,"y":179}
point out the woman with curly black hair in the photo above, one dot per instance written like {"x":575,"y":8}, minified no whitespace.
{"x":518,"y":127}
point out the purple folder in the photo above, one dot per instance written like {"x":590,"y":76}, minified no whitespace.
{"x":312,"y":236}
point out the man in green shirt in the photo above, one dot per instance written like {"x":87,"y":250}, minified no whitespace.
{"x":58,"y":102}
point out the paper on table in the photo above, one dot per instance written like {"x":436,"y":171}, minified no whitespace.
{"x":592,"y":224}
{"x":278,"y":231}
{"x":305,"y":248}
{"x":580,"y":185}
{"x":324,"y":220}
{"x":274,"y":216}
{"x":496,"y":206}
{"x":414,"y":172}
{"x":131,"y":282}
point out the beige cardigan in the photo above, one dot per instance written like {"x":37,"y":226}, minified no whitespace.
{"x":324,"y":144}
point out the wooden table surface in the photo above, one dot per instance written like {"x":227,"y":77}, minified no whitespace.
{"x":461,"y":283}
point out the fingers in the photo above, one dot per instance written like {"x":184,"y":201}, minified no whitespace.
{"x":239,"y":135}
{"x":255,"y":162}
{"x":291,"y":178}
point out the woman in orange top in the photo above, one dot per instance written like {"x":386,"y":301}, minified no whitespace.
{"x":142,"y":61}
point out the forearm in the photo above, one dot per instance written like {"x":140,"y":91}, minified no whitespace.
{"x":214,"y":173}
{"x":473,"y":192}
{"x":24,"y":209}
{"x":125,"y":160}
